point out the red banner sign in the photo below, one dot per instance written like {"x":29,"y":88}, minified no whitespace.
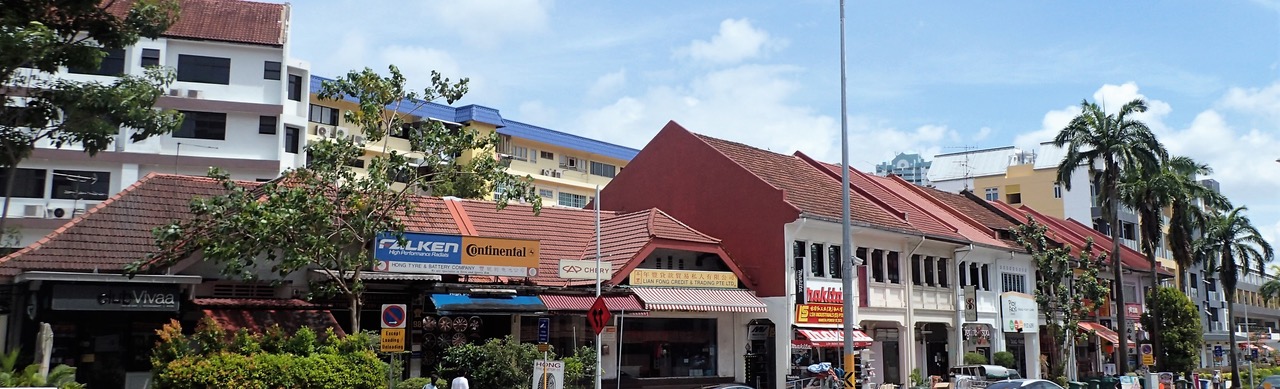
{"x":824,"y":295}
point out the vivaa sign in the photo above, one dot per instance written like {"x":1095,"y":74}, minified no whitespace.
{"x":598,"y":316}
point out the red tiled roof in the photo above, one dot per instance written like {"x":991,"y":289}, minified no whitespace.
{"x":917,"y":213}
{"x":561,"y":232}
{"x":969,"y":228}
{"x":1075,"y":235}
{"x":806,"y":188}
{"x":430,"y":215}
{"x":1132,"y":258}
{"x":117,"y":231}
{"x":236,"y":21}
{"x":972,"y":208}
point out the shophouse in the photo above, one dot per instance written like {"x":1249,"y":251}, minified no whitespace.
{"x":237,"y":84}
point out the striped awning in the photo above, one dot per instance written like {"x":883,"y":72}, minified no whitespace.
{"x":1103,"y":332}
{"x":615,"y":304}
{"x":834,"y":337}
{"x":700,"y":300}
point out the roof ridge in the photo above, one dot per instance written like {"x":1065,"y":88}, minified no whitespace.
{"x":974,"y":151}
{"x":563,"y":133}
{"x":648,"y":223}
{"x":35,"y":246}
{"x":686,"y":226}
{"x":814,"y":163}
{"x":954,"y":212}
{"x":703,"y":139}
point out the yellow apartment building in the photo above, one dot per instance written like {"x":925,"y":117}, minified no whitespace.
{"x":566,"y":168}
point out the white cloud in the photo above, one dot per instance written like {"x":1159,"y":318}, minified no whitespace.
{"x":982,"y":134}
{"x":1263,"y":102}
{"x":608,"y":84}
{"x":736,"y":41}
{"x":488,"y":22}
{"x":534,"y":112}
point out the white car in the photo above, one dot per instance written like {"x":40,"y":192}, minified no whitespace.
{"x":1024,"y":383}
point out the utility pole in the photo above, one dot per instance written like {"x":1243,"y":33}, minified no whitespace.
{"x":846,"y":246}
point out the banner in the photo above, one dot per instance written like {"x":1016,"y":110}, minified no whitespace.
{"x":684,"y":278}
{"x":453,"y":254}
{"x":1019,"y":312}
{"x":819,"y":314}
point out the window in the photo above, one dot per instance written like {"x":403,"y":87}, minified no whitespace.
{"x":605,"y":170}
{"x":324,"y":115}
{"x":986,"y":283}
{"x":510,"y":148}
{"x":291,"y":138}
{"x":1013,"y":283}
{"x":816,"y":263}
{"x":1015,"y":198}
{"x":267,"y":124}
{"x":1057,"y":191}
{"x":295,"y":87}
{"x":547,"y":193}
{"x":81,"y":185}
{"x":993,"y":194}
{"x":546,"y":155}
{"x":877,"y":266}
{"x":208,"y":70}
{"x":942,"y":272}
{"x":1128,"y":231}
{"x":572,"y":163}
{"x":892,"y":268}
{"x":916,"y":278}
{"x":28,"y":183}
{"x":929,"y":277}
{"x":835,"y":266}
{"x":271,"y":70}
{"x":572,"y":200}
{"x":203,"y":125}
{"x":670,"y":347}
{"x":112,"y":65}
{"x":150,"y":57}
{"x":962,"y":271}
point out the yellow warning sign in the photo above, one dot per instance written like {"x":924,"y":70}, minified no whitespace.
{"x":392,"y":340}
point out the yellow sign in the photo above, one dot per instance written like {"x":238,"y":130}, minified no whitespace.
{"x":499,"y":252}
{"x":543,"y":347}
{"x":1148,"y":359}
{"x":392,"y":340}
{"x":819,"y":314}
{"x":684,"y":278}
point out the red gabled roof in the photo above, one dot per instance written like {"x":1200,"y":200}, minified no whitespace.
{"x":117,"y":231}
{"x":1075,"y":235}
{"x":914,"y":210}
{"x":806,"y":188}
{"x":236,"y":21}
{"x":964,"y":225}
{"x":974,"y":208}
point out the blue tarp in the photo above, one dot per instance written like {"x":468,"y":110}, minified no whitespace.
{"x":449,"y":304}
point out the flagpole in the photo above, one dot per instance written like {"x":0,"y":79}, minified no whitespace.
{"x":846,"y":247}
{"x":599,"y":359}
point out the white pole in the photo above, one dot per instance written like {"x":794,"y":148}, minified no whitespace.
{"x":846,"y":247}
{"x":599,"y":359}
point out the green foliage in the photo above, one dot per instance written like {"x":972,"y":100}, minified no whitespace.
{"x":1004,"y":358}
{"x":300,"y":361}
{"x":504,"y":363}
{"x":579,"y":368}
{"x":915,"y":378}
{"x":60,"y":376}
{"x":972,"y":358}
{"x":326,"y":216}
{"x":419,"y":383}
{"x":1231,"y":244}
{"x":1068,"y":285}
{"x":1181,"y":335}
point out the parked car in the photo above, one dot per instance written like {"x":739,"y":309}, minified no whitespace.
{"x":1273,"y":380}
{"x":728,"y":386}
{"x":1024,"y":383}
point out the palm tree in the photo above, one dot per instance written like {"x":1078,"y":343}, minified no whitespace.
{"x":1233,"y":242}
{"x":1150,"y":190}
{"x":1116,"y":142}
{"x":1271,"y":289}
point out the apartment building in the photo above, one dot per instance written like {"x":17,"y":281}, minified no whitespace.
{"x":566,"y":168}
{"x":911,"y":167}
{"x":240,"y":91}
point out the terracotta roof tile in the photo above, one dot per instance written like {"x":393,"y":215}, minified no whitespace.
{"x":894,"y":199}
{"x":1075,"y":235}
{"x":562,"y":232}
{"x":236,"y":21}
{"x":965,"y":226}
{"x":974,"y":209}
{"x":117,"y":231}
{"x":806,"y":188}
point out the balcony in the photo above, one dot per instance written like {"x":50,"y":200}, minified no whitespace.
{"x":886,"y":296}
{"x":941,"y":299}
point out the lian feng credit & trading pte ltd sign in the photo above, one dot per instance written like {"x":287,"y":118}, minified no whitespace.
{"x":453,"y":254}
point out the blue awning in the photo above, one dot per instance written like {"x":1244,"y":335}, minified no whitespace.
{"x":452,"y":304}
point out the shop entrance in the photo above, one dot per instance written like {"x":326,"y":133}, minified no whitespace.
{"x":1014,"y":343}
{"x":761,"y":349}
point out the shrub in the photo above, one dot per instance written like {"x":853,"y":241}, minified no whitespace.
{"x":504,"y":363}
{"x":1005,"y":358}
{"x":418,"y":383}
{"x":972,"y":358}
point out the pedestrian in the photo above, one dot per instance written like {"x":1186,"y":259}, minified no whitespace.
{"x":460,"y":382}
{"x":432,"y":384}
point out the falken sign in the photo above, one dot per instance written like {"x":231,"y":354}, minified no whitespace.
{"x":453,"y":254}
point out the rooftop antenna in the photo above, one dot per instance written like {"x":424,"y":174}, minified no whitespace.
{"x":964,"y":164}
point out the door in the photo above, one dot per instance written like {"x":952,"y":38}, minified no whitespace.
{"x":936,"y":352}
{"x":890,"y":361}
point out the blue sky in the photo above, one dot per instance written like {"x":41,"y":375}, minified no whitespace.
{"x":926,"y":77}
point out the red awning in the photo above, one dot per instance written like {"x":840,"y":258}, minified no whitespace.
{"x":1103,"y":332}
{"x":700,"y":300}
{"x":616,"y":304}
{"x":834,"y":337}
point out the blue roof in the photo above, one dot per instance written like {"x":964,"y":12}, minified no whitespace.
{"x":449,"y":304}
{"x":483,"y":114}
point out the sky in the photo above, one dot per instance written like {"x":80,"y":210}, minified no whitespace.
{"x":922,"y":77}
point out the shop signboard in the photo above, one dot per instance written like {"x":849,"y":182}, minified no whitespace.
{"x":819,"y":314}
{"x":798,"y":272}
{"x":684,"y":278}
{"x":1019,"y":313}
{"x":970,"y":303}
{"x":823,"y":292}
{"x":1133,"y":311}
{"x":453,"y":254}
{"x":548,"y":374}
{"x":573,"y":269}
{"x":115,"y":297}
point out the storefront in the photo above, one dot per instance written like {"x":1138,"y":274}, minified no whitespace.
{"x":1020,"y":324}
{"x":569,"y":328}
{"x":483,"y":313}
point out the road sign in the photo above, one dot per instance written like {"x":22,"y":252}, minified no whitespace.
{"x":598,"y":316}
{"x":544,"y":329}
{"x":1148,"y":354}
{"x":1217,"y":351}
{"x":849,"y":379}
{"x":392,"y":340}
{"x":543,"y":347}
{"x":394,"y":315}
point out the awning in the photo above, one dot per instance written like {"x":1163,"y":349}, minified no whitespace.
{"x":615,"y":304}
{"x":834,"y":337}
{"x":452,"y":304}
{"x":700,"y":300}
{"x":1103,"y":332}
{"x":259,"y":320}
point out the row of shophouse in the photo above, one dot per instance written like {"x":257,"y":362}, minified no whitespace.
{"x":726,"y":272}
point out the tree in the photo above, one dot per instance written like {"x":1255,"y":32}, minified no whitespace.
{"x":1271,"y":288}
{"x":1232,"y":244}
{"x":326,"y":216}
{"x":1118,"y":142}
{"x":1067,"y":288}
{"x":1150,"y":190}
{"x":1180,"y":331}
{"x":39,"y":37}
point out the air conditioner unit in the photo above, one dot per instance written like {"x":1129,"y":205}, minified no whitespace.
{"x":323,"y":132}
{"x":81,"y":209}
{"x":359,"y":140}
{"x":556,"y":173}
{"x":61,"y":213}
{"x":176,"y":92}
{"x":341,"y":132}
{"x":195,"y":94}
{"x":33,"y":210}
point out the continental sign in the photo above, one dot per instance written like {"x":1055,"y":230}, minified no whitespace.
{"x":819,"y":314}
{"x":453,"y":254}
{"x":684,"y":278}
